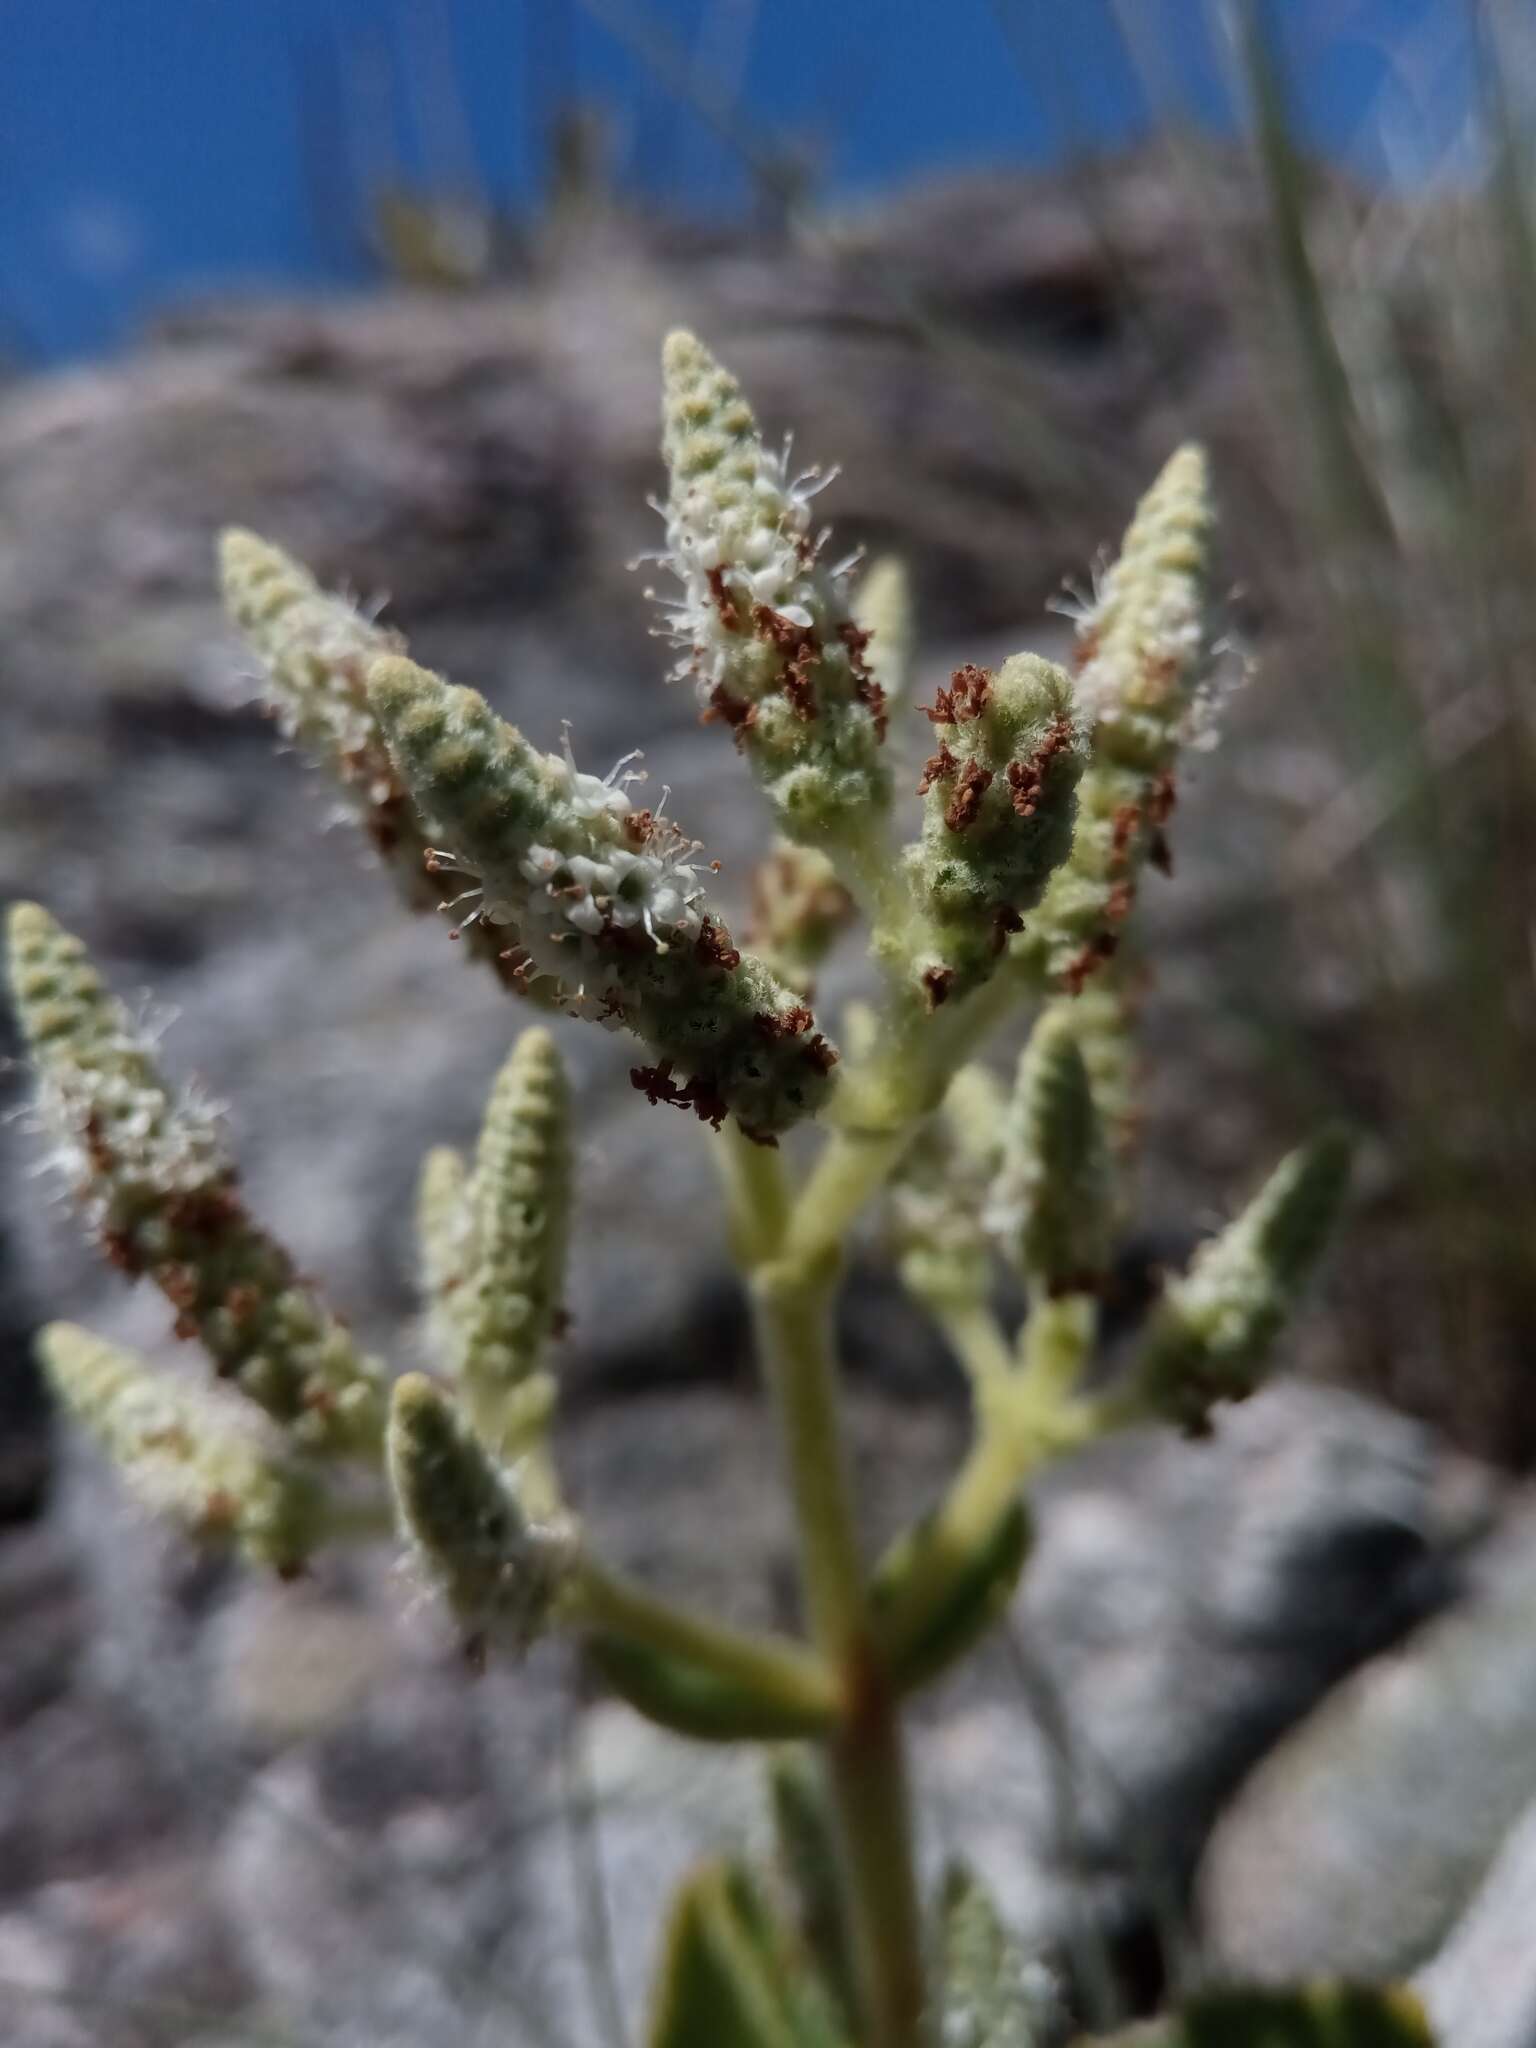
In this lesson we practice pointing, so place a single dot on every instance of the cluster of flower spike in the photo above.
(766, 627)
(605, 895)
(1143, 655)
(160, 1193)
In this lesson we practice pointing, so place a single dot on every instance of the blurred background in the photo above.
(386, 280)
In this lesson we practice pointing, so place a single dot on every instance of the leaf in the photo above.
(726, 1978)
(1317, 2016)
(988, 1996)
(808, 1860)
(694, 1700)
(918, 1647)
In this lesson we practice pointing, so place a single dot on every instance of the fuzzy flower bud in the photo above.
(520, 1201)
(207, 1462)
(937, 1194)
(1101, 1020)
(1212, 1331)
(990, 1996)
(315, 651)
(1143, 653)
(882, 609)
(444, 1241)
(607, 896)
(998, 818)
(1052, 1202)
(768, 636)
(798, 908)
(159, 1191)
(500, 1572)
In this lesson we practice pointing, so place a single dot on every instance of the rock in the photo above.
(1187, 1601)
(1357, 1843)
(1480, 1990)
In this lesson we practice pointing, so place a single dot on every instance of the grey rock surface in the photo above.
(1358, 1841)
(1480, 1990)
(387, 1846)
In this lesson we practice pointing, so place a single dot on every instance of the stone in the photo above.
(1358, 1842)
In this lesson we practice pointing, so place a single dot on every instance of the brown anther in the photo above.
(972, 786)
(823, 1057)
(1005, 921)
(713, 946)
(736, 712)
(700, 1095)
(937, 767)
(178, 1283)
(1118, 907)
(937, 981)
(1127, 822)
(638, 826)
(774, 1024)
(1089, 960)
(1161, 798)
(122, 1252)
(1026, 779)
(242, 1301)
(967, 693)
(725, 605)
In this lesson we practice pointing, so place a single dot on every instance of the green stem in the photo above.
(756, 1198)
(1023, 1417)
(882, 1106)
(974, 1335)
(779, 1670)
(793, 1309)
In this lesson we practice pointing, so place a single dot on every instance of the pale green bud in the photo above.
(499, 1571)
(988, 1996)
(1101, 1020)
(937, 1194)
(882, 608)
(798, 909)
(315, 651)
(208, 1463)
(1211, 1333)
(150, 1170)
(445, 1244)
(1052, 1202)
(520, 1220)
(766, 628)
(1144, 655)
(1000, 801)
(609, 897)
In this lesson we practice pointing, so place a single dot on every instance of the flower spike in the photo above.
(1144, 655)
(315, 651)
(158, 1188)
(207, 1462)
(1001, 798)
(608, 897)
(1211, 1334)
(767, 630)
(499, 1571)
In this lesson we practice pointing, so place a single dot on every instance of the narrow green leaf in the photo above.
(919, 1645)
(694, 1700)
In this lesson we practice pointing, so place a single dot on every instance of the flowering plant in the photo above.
(1045, 798)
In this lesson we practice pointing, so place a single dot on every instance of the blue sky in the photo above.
(152, 148)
